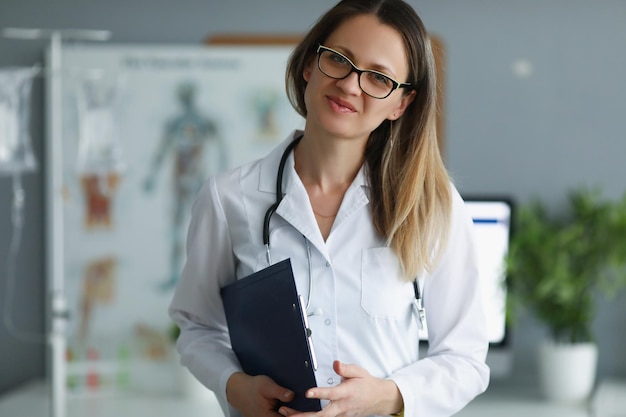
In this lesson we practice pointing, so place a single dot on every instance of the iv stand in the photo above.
(54, 190)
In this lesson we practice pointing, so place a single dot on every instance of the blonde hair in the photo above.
(409, 186)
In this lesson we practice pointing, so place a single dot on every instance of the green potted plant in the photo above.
(558, 263)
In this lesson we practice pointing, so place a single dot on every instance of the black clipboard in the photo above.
(269, 331)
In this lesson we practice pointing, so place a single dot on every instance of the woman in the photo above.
(367, 195)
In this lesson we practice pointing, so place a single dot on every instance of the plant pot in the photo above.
(567, 371)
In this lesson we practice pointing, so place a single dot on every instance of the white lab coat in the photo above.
(364, 311)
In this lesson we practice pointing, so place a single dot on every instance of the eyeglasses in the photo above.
(373, 83)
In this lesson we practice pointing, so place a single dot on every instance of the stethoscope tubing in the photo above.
(279, 197)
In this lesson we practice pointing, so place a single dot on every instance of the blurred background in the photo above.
(535, 104)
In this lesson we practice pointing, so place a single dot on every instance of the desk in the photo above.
(33, 400)
(517, 402)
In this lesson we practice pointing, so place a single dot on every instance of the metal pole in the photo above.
(54, 193)
(56, 256)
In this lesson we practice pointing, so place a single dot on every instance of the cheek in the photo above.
(393, 108)
(307, 98)
(380, 109)
(309, 90)
(312, 90)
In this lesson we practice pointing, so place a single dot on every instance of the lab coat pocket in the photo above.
(384, 294)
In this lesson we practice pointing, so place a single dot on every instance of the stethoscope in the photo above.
(418, 305)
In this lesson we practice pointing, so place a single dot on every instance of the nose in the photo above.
(350, 84)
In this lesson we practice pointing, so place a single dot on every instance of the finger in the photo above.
(346, 370)
(286, 411)
(273, 390)
(329, 393)
(287, 396)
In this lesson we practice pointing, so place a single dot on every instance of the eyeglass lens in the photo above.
(338, 66)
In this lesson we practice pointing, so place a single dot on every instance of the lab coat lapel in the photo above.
(354, 200)
(296, 209)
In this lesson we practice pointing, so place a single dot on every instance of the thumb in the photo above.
(346, 370)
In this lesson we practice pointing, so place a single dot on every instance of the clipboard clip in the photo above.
(307, 328)
(418, 305)
(421, 313)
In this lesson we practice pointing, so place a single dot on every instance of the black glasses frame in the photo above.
(396, 84)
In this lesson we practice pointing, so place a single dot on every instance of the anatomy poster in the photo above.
(143, 128)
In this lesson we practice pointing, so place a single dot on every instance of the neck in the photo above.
(328, 164)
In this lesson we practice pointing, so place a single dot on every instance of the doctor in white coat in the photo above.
(367, 208)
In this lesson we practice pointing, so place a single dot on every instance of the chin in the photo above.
(340, 126)
(340, 133)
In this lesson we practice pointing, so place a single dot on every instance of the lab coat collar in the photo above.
(269, 167)
(295, 210)
(292, 208)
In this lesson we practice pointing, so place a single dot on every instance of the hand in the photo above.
(256, 396)
(358, 395)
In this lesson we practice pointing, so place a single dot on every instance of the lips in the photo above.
(340, 105)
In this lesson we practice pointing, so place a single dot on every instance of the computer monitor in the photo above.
(492, 218)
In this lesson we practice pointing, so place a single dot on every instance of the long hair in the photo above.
(409, 185)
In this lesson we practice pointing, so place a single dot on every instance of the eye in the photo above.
(379, 78)
(338, 59)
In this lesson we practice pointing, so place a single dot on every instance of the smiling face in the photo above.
(340, 108)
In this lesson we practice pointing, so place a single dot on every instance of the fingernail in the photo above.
(287, 394)
(310, 393)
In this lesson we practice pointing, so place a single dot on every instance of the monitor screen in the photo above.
(492, 226)
(492, 223)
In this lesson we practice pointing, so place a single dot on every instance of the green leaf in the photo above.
(558, 261)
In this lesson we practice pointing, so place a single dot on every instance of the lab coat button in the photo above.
(330, 381)
(327, 264)
(327, 322)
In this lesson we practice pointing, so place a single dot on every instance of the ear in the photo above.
(404, 103)
(306, 72)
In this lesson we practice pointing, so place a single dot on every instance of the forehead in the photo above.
(371, 43)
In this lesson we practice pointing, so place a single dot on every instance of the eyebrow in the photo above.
(376, 67)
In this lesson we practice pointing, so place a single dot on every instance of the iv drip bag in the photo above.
(99, 149)
(16, 154)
